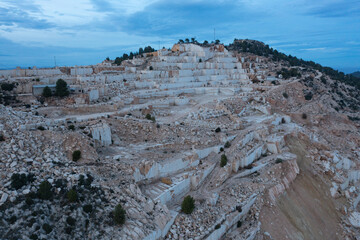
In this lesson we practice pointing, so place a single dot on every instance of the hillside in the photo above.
(356, 74)
(266, 144)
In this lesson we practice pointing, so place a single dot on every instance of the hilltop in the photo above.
(267, 146)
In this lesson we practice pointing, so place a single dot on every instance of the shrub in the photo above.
(76, 155)
(239, 223)
(200, 60)
(7, 86)
(71, 127)
(72, 195)
(44, 191)
(2, 138)
(278, 160)
(119, 214)
(151, 68)
(87, 208)
(308, 96)
(223, 160)
(217, 226)
(218, 130)
(285, 95)
(323, 79)
(41, 128)
(12, 219)
(68, 230)
(221, 149)
(61, 88)
(46, 92)
(188, 205)
(304, 116)
(29, 201)
(20, 180)
(47, 228)
(33, 236)
(239, 208)
(283, 120)
(71, 221)
(227, 144)
(148, 116)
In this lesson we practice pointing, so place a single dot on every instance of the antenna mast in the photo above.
(55, 60)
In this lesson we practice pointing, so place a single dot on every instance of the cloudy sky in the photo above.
(81, 32)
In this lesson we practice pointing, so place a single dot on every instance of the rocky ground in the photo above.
(292, 148)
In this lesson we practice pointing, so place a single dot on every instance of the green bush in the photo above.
(71, 127)
(87, 208)
(304, 116)
(61, 88)
(218, 130)
(151, 68)
(20, 180)
(308, 96)
(227, 144)
(41, 128)
(223, 160)
(71, 221)
(33, 236)
(44, 191)
(239, 223)
(2, 138)
(148, 116)
(217, 226)
(76, 155)
(119, 214)
(7, 86)
(47, 228)
(188, 205)
(278, 160)
(46, 92)
(72, 195)
(285, 95)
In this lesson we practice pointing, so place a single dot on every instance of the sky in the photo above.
(83, 32)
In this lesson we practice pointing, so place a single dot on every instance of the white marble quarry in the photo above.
(355, 219)
(102, 134)
(81, 71)
(230, 220)
(93, 95)
(29, 72)
(254, 154)
(158, 170)
(161, 232)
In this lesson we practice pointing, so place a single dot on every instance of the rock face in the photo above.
(102, 133)
(289, 171)
(196, 120)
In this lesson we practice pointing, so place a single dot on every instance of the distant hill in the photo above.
(356, 74)
(261, 49)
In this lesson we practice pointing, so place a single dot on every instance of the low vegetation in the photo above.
(62, 89)
(46, 92)
(119, 215)
(7, 86)
(188, 205)
(223, 160)
(76, 155)
(72, 195)
(45, 191)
